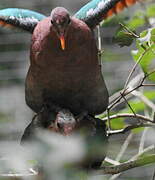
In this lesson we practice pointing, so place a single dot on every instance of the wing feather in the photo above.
(20, 18)
(97, 10)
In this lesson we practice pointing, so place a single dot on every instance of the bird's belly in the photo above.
(71, 88)
(73, 82)
(63, 83)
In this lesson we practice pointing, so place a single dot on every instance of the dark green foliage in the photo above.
(123, 38)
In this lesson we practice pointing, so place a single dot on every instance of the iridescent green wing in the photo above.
(20, 18)
(97, 10)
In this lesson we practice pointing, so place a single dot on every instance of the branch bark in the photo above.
(124, 115)
(129, 128)
(148, 159)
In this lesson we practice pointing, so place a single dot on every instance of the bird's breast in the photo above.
(61, 70)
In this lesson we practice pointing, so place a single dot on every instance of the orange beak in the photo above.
(62, 41)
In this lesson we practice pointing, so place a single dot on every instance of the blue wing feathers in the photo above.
(20, 18)
(21, 13)
(82, 13)
(97, 10)
(92, 14)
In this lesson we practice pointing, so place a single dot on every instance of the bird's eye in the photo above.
(69, 21)
(51, 22)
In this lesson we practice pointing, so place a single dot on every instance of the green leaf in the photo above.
(146, 42)
(145, 37)
(150, 94)
(123, 38)
(137, 21)
(152, 77)
(136, 105)
(117, 123)
(153, 35)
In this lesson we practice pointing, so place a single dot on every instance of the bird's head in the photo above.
(60, 20)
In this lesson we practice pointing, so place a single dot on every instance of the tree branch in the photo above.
(142, 161)
(144, 99)
(130, 127)
(124, 115)
(129, 31)
(135, 66)
(128, 90)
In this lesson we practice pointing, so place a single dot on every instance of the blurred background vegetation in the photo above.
(14, 61)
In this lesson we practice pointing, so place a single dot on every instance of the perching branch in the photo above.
(132, 162)
(124, 115)
(131, 127)
(115, 169)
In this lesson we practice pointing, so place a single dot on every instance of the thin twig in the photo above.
(129, 31)
(125, 115)
(124, 147)
(134, 67)
(121, 153)
(111, 161)
(142, 140)
(144, 99)
(150, 149)
(108, 120)
(128, 91)
(148, 74)
(128, 104)
(148, 84)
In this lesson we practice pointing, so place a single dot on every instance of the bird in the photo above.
(65, 73)
(64, 68)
